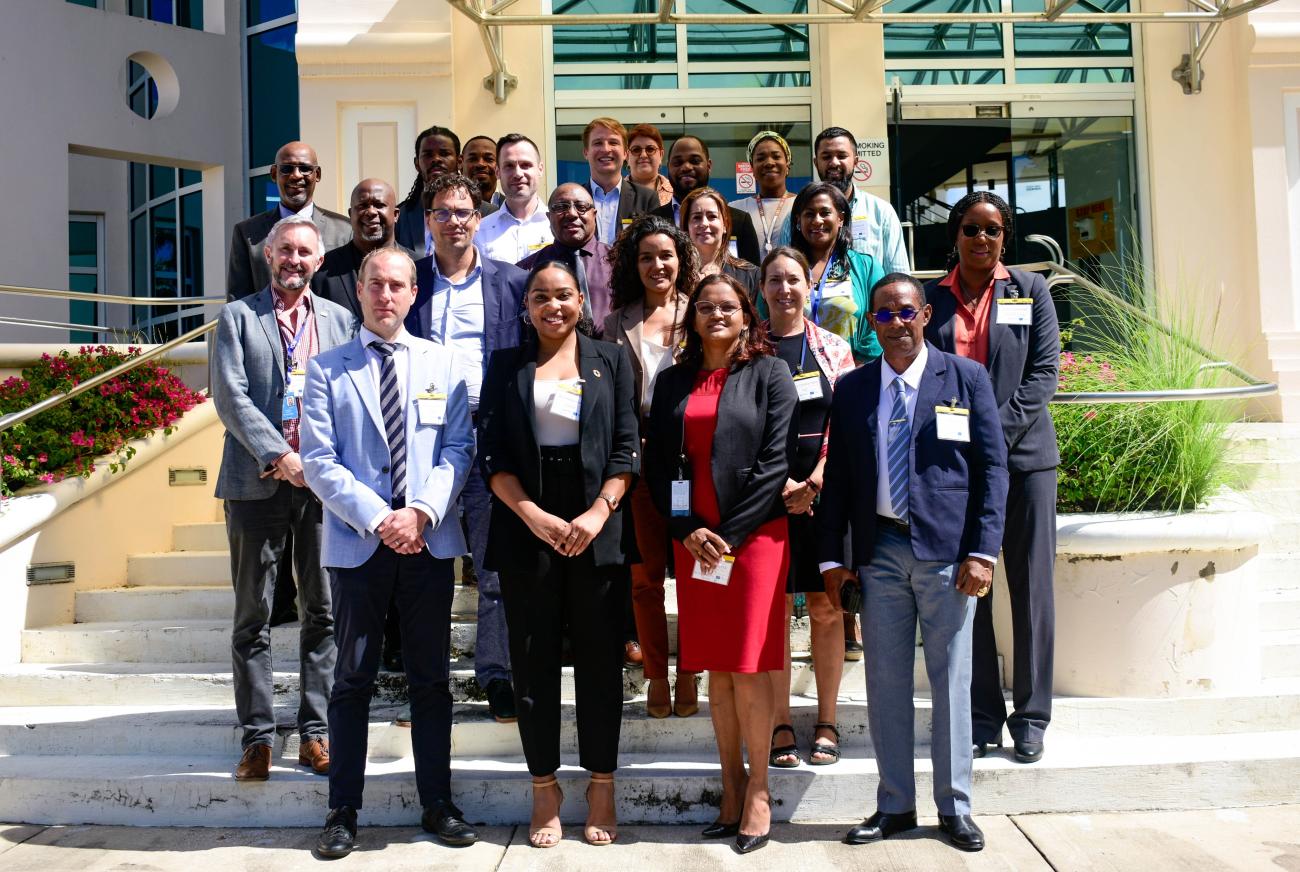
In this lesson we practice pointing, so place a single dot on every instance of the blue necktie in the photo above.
(390, 403)
(898, 451)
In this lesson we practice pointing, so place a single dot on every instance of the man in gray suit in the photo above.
(296, 173)
(259, 372)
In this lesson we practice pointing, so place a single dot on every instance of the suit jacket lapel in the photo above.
(946, 313)
(999, 334)
(526, 379)
(264, 306)
(871, 401)
(625, 204)
(928, 394)
(589, 370)
(492, 302)
(359, 370)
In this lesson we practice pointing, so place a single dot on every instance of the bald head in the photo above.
(296, 173)
(373, 211)
(568, 227)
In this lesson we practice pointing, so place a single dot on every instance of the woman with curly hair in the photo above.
(707, 221)
(654, 266)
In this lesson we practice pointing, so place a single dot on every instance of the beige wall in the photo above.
(855, 101)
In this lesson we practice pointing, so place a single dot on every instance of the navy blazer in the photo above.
(610, 445)
(1024, 360)
(957, 491)
(503, 302)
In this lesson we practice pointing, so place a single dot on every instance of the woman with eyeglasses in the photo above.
(1005, 319)
(654, 267)
(559, 446)
(707, 221)
(769, 157)
(842, 278)
(816, 360)
(645, 155)
(716, 461)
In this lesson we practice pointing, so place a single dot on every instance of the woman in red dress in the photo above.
(716, 460)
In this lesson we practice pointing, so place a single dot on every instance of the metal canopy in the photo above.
(1203, 19)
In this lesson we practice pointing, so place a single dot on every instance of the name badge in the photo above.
(837, 289)
(1016, 310)
(721, 573)
(953, 424)
(289, 409)
(432, 408)
(537, 246)
(566, 402)
(681, 498)
(297, 382)
(808, 385)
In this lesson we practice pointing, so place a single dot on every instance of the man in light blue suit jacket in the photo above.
(387, 444)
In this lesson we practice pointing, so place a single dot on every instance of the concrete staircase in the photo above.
(126, 717)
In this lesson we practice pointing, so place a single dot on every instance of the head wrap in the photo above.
(767, 134)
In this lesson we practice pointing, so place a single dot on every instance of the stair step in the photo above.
(1278, 572)
(174, 568)
(185, 602)
(1077, 775)
(1279, 654)
(204, 536)
(1263, 475)
(1264, 441)
(1279, 610)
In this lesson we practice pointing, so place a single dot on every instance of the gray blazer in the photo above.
(248, 387)
(247, 271)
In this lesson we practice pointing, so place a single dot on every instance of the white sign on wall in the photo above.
(872, 168)
(745, 178)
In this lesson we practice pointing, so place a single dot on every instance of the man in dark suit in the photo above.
(618, 200)
(689, 167)
(372, 211)
(437, 152)
(917, 467)
(296, 173)
(573, 222)
(472, 304)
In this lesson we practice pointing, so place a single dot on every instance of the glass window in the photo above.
(141, 91)
(83, 244)
(84, 270)
(613, 43)
(942, 40)
(947, 77)
(1075, 76)
(272, 93)
(162, 181)
(263, 194)
(630, 82)
(1061, 38)
(744, 42)
(262, 11)
(190, 177)
(184, 13)
(166, 248)
(82, 311)
(751, 80)
(89, 4)
(192, 255)
(139, 192)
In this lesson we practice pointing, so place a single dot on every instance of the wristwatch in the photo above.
(610, 499)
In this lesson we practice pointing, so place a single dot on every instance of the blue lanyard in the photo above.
(290, 348)
(817, 295)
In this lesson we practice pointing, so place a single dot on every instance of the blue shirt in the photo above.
(456, 321)
(606, 211)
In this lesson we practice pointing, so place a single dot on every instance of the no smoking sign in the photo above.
(862, 171)
(745, 178)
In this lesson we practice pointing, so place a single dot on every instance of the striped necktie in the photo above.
(898, 451)
(390, 403)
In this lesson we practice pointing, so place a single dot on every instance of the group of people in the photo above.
(632, 375)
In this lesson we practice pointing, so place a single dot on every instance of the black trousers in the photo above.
(1029, 555)
(554, 593)
(423, 588)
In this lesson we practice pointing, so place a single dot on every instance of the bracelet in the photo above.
(813, 485)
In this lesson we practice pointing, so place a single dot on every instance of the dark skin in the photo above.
(296, 188)
(688, 167)
(771, 168)
(373, 212)
(835, 159)
(978, 256)
(569, 227)
(902, 342)
(436, 157)
(479, 161)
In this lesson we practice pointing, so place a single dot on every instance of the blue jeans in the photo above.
(492, 644)
(897, 590)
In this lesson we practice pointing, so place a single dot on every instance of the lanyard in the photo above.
(291, 348)
(776, 219)
(821, 284)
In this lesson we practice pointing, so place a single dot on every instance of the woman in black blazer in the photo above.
(558, 443)
(717, 454)
(1005, 319)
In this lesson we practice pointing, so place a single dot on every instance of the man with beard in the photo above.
(296, 173)
(373, 212)
(437, 153)
(263, 344)
(688, 168)
(573, 222)
(478, 160)
(875, 228)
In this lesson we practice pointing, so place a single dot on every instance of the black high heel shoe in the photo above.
(719, 830)
(747, 844)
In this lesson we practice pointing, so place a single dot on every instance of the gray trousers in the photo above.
(897, 591)
(491, 641)
(257, 530)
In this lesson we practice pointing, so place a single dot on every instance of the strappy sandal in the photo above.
(593, 829)
(831, 749)
(546, 837)
(791, 750)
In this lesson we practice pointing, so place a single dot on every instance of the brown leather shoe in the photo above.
(255, 765)
(316, 754)
(632, 655)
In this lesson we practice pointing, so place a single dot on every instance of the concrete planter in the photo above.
(1156, 604)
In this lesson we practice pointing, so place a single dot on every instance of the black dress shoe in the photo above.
(447, 822)
(881, 825)
(962, 831)
(501, 701)
(1028, 752)
(340, 834)
(748, 844)
(979, 749)
(719, 830)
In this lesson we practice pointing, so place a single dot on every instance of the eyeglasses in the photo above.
(639, 150)
(442, 216)
(707, 309)
(559, 207)
(906, 314)
(288, 169)
(970, 231)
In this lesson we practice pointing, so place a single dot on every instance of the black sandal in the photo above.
(832, 750)
(790, 750)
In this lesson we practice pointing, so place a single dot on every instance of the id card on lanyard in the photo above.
(820, 291)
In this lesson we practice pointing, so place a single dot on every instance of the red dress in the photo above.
(740, 626)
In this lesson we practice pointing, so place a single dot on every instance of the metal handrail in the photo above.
(92, 297)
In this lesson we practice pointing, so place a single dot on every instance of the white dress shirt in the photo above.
(308, 211)
(456, 321)
(502, 236)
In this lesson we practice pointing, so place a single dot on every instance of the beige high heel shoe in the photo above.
(594, 829)
(546, 837)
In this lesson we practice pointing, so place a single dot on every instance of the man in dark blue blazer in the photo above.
(472, 304)
(917, 467)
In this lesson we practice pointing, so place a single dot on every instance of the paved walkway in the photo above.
(1231, 839)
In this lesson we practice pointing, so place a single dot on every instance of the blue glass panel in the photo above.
(746, 42)
(263, 194)
(189, 13)
(83, 244)
(139, 192)
(751, 80)
(942, 40)
(1064, 38)
(946, 77)
(82, 311)
(162, 180)
(262, 11)
(272, 93)
(192, 245)
(613, 43)
(1075, 76)
(630, 82)
(89, 4)
(190, 177)
(162, 11)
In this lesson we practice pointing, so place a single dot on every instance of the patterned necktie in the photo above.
(390, 403)
(898, 451)
(580, 271)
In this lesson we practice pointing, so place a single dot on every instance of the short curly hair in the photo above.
(625, 280)
(450, 182)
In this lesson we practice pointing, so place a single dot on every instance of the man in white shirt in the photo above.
(521, 227)
(875, 228)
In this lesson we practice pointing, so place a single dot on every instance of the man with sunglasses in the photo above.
(472, 304)
(916, 467)
(296, 173)
(573, 223)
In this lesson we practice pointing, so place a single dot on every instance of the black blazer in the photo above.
(633, 200)
(750, 445)
(246, 269)
(1023, 364)
(507, 442)
(336, 280)
(503, 302)
(742, 228)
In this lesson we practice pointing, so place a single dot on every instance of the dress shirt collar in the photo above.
(911, 377)
(277, 301)
(367, 336)
(308, 211)
(536, 209)
(597, 190)
(950, 280)
(475, 273)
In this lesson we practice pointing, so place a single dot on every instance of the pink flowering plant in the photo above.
(68, 439)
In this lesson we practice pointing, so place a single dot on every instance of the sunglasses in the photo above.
(288, 169)
(906, 314)
(559, 207)
(970, 231)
